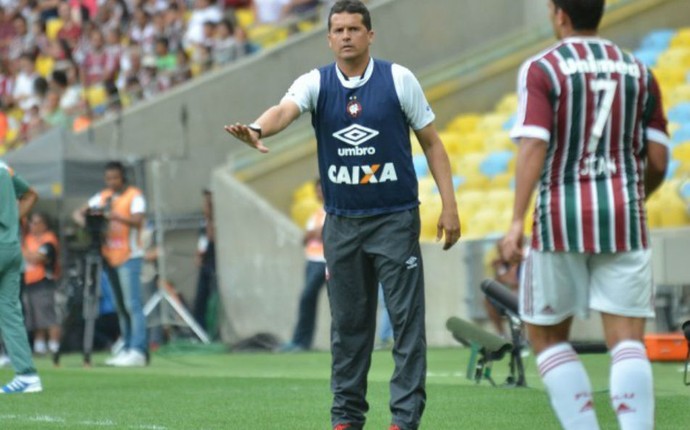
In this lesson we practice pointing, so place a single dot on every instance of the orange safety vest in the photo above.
(34, 272)
(116, 248)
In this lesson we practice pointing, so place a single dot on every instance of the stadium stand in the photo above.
(483, 156)
(122, 68)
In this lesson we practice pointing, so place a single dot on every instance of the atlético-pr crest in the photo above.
(354, 109)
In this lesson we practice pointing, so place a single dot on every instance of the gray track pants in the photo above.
(360, 252)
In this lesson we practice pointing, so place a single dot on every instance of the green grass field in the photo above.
(291, 391)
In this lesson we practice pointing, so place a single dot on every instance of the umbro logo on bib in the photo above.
(355, 134)
(411, 263)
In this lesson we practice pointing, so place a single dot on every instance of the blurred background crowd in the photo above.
(70, 62)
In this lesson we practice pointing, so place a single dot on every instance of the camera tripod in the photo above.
(88, 277)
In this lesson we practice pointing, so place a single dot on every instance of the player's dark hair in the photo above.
(117, 165)
(351, 6)
(584, 14)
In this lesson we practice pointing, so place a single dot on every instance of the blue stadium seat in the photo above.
(421, 168)
(680, 113)
(457, 181)
(673, 165)
(508, 125)
(684, 190)
(659, 39)
(648, 56)
(495, 163)
(682, 134)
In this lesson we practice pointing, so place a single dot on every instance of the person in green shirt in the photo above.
(16, 200)
(166, 62)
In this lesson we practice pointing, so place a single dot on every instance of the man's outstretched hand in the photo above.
(246, 135)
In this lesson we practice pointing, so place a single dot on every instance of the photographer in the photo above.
(39, 247)
(123, 207)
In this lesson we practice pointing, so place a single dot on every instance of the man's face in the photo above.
(113, 180)
(348, 38)
(37, 225)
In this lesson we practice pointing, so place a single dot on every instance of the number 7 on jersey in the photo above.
(608, 87)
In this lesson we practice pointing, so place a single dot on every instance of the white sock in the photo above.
(568, 386)
(53, 346)
(632, 390)
(40, 346)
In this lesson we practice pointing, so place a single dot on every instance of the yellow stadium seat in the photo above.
(681, 39)
(306, 25)
(267, 35)
(96, 95)
(681, 152)
(416, 147)
(668, 76)
(499, 141)
(493, 121)
(674, 212)
(485, 222)
(500, 199)
(301, 211)
(426, 188)
(654, 210)
(452, 141)
(472, 143)
(502, 181)
(679, 94)
(464, 123)
(428, 214)
(467, 164)
(674, 57)
(44, 65)
(304, 191)
(508, 104)
(469, 202)
(245, 17)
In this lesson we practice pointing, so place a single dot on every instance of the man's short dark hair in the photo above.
(117, 165)
(351, 6)
(584, 14)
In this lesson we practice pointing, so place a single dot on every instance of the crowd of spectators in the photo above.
(67, 62)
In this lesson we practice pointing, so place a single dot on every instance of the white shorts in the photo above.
(558, 285)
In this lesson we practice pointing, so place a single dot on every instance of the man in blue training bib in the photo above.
(362, 109)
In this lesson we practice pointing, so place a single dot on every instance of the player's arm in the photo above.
(300, 98)
(27, 202)
(134, 220)
(439, 165)
(657, 140)
(79, 215)
(533, 132)
(421, 119)
(657, 163)
(137, 210)
(528, 167)
(274, 120)
(26, 196)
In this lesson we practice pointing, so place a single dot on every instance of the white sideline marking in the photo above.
(46, 419)
(100, 423)
(86, 423)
